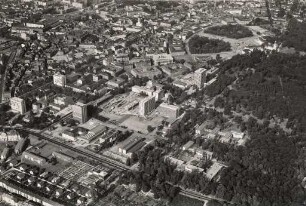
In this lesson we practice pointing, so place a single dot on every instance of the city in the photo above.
(153, 103)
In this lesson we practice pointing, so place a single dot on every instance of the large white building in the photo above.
(170, 111)
(146, 106)
(10, 136)
(79, 112)
(200, 77)
(18, 105)
(162, 59)
(59, 80)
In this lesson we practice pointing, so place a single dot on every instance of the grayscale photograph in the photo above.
(152, 102)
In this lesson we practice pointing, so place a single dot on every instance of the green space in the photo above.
(295, 36)
(270, 168)
(181, 200)
(230, 31)
(202, 45)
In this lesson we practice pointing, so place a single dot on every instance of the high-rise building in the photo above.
(79, 112)
(146, 105)
(200, 77)
(18, 105)
(59, 80)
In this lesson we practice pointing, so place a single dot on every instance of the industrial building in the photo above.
(93, 133)
(132, 145)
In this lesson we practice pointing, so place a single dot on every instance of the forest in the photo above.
(202, 45)
(267, 171)
(269, 86)
(230, 31)
(295, 36)
(270, 168)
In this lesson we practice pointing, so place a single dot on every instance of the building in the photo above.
(36, 107)
(59, 80)
(187, 145)
(238, 135)
(214, 170)
(162, 59)
(131, 145)
(18, 105)
(79, 112)
(33, 158)
(200, 77)
(93, 133)
(158, 93)
(20, 146)
(10, 136)
(150, 89)
(169, 111)
(5, 153)
(72, 134)
(9, 186)
(146, 106)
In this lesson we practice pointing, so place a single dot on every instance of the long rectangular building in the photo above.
(27, 194)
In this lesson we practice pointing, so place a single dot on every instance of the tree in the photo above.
(128, 162)
(213, 203)
(150, 128)
(227, 109)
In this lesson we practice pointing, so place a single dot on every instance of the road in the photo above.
(199, 196)
(97, 157)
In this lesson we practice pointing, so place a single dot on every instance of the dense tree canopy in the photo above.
(295, 36)
(270, 85)
(230, 31)
(202, 45)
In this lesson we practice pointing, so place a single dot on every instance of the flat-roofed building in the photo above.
(33, 158)
(79, 112)
(146, 106)
(200, 77)
(170, 111)
(59, 80)
(187, 145)
(214, 170)
(10, 136)
(161, 59)
(18, 105)
(20, 146)
(128, 144)
(27, 193)
(99, 130)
